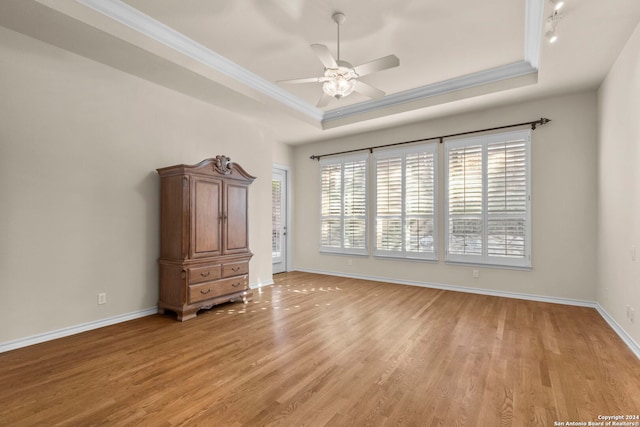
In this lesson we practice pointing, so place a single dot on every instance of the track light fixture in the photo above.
(550, 27)
(557, 4)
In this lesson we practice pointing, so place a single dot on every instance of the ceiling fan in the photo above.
(340, 78)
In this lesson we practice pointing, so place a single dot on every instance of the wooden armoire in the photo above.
(204, 236)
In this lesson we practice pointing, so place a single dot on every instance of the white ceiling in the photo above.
(454, 56)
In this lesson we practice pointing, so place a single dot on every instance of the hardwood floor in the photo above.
(320, 350)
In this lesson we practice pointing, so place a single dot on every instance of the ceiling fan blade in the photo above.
(305, 80)
(324, 55)
(377, 65)
(368, 90)
(324, 100)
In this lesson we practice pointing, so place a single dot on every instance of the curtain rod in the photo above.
(533, 124)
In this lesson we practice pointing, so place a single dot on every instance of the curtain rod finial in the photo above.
(542, 121)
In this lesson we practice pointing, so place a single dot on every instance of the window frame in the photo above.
(484, 258)
(430, 148)
(342, 160)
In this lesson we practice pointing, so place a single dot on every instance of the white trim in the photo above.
(484, 77)
(156, 30)
(402, 153)
(76, 329)
(624, 336)
(533, 18)
(485, 216)
(72, 330)
(96, 324)
(341, 160)
(261, 284)
(457, 288)
(289, 202)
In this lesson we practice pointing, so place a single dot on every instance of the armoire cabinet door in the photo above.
(206, 217)
(236, 223)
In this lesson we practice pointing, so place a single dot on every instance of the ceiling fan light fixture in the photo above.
(340, 78)
(340, 82)
(551, 36)
(557, 4)
(339, 88)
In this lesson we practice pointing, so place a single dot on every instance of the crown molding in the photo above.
(161, 33)
(534, 12)
(156, 30)
(533, 20)
(480, 78)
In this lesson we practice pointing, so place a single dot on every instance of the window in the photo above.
(343, 192)
(405, 212)
(487, 207)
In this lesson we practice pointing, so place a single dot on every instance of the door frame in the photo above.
(288, 210)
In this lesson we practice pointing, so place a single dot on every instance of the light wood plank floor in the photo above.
(320, 350)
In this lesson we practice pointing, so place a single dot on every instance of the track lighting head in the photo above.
(550, 27)
(557, 4)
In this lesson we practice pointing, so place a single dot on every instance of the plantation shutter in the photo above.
(276, 215)
(488, 207)
(405, 202)
(331, 228)
(355, 204)
(465, 202)
(507, 199)
(343, 192)
(389, 204)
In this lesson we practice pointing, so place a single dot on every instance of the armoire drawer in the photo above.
(204, 274)
(204, 291)
(235, 268)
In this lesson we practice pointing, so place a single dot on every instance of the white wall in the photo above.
(563, 203)
(282, 154)
(619, 188)
(80, 142)
(79, 195)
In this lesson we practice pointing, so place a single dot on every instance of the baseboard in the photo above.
(624, 336)
(76, 329)
(261, 284)
(456, 288)
(48, 336)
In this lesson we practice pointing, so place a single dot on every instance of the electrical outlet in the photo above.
(632, 315)
(102, 298)
(628, 311)
(633, 253)
(476, 274)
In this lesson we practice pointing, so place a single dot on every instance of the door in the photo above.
(234, 218)
(279, 220)
(206, 218)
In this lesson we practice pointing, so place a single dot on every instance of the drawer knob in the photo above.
(235, 285)
(235, 268)
(203, 292)
(205, 274)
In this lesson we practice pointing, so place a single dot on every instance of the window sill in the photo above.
(494, 266)
(400, 258)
